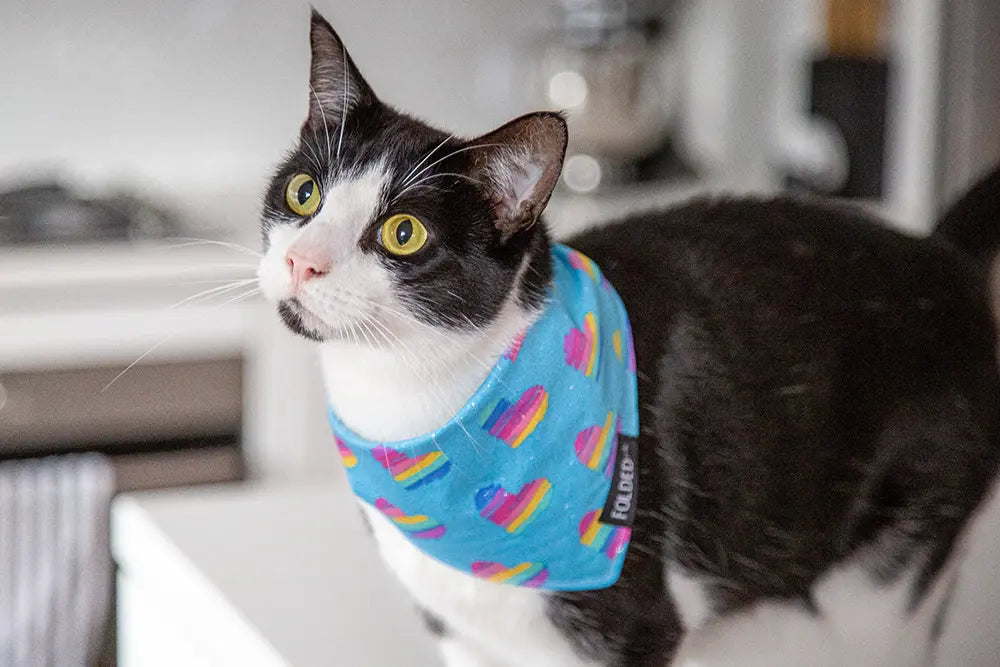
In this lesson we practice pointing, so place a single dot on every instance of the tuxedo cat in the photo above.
(818, 396)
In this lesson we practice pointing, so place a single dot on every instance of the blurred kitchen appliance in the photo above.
(49, 212)
(609, 64)
(848, 92)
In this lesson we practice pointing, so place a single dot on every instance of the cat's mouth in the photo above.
(302, 321)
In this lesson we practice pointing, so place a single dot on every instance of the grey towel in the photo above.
(55, 563)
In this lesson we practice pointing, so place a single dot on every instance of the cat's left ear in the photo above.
(335, 85)
(518, 165)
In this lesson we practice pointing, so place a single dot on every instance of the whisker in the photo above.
(326, 126)
(214, 291)
(347, 86)
(204, 282)
(453, 153)
(406, 179)
(313, 160)
(434, 386)
(223, 265)
(427, 178)
(163, 341)
(240, 297)
(133, 364)
(188, 242)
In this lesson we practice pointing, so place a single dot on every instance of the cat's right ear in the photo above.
(335, 84)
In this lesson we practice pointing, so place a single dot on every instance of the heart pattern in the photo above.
(595, 445)
(608, 539)
(581, 346)
(409, 471)
(415, 525)
(515, 346)
(580, 261)
(346, 455)
(510, 511)
(529, 575)
(514, 423)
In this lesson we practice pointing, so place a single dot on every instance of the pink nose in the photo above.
(304, 267)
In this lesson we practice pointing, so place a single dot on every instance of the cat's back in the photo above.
(812, 374)
(786, 278)
(805, 253)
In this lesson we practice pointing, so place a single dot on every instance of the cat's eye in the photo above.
(302, 195)
(403, 234)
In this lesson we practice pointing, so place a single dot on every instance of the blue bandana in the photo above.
(530, 501)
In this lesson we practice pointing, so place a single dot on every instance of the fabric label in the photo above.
(619, 510)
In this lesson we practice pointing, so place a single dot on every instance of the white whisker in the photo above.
(165, 340)
(240, 297)
(214, 291)
(453, 153)
(133, 364)
(347, 86)
(326, 130)
(406, 179)
(427, 178)
(187, 242)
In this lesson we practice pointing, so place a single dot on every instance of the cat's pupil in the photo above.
(305, 192)
(404, 231)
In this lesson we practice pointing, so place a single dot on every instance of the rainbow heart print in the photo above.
(514, 423)
(580, 261)
(513, 511)
(346, 455)
(529, 575)
(515, 347)
(409, 471)
(414, 525)
(581, 346)
(608, 539)
(595, 445)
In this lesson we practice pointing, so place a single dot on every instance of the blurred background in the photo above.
(135, 142)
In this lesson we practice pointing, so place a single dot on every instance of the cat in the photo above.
(819, 395)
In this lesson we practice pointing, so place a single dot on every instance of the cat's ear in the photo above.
(335, 84)
(518, 165)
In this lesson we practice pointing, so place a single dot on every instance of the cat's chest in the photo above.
(507, 625)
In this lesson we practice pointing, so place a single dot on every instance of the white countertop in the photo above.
(288, 576)
(267, 576)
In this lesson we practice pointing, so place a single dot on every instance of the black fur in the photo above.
(464, 275)
(973, 222)
(812, 386)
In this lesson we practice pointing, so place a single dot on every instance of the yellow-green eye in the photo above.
(403, 234)
(302, 195)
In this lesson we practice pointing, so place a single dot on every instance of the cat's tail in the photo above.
(973, 222)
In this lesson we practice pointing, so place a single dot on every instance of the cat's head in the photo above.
(377, 220)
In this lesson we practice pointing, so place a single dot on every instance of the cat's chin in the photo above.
(297, 318)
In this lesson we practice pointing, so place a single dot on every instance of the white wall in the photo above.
(201, 97)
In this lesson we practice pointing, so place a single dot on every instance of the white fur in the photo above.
(356, 284)
(413, 380)
(859, 623)
(403, 385)
(690, 597)
(515, 177)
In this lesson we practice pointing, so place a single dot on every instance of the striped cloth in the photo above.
(55, 563)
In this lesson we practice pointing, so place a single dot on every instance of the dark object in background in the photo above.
(52, 213)
(849, 88)
(851, 92)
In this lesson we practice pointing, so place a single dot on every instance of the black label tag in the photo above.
(623, 498)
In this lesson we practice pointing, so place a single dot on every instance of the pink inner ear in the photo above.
(523, 182)
(518, 183)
